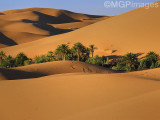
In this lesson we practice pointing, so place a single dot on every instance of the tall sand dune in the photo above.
(136, 31)
(40, 22)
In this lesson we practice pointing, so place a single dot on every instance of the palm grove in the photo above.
(79, 52)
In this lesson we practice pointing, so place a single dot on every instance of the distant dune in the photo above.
(135, 31)
(39, 23)
(51, 68)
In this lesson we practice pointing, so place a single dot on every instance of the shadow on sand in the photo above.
(6, 41)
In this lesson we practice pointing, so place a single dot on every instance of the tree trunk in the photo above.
(64, 57)
(78, 54)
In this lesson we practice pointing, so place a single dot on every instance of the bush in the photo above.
(130, 61)
(8, 62)
(119, 67)
(150, 61)
(27, 62)
(51, 56)
(41, 59)
(19, 60)
(95, 61)
(152, 57)
(154, 65)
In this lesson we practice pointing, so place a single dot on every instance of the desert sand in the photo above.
(70, 90)
(81, 97)
(50, 68)
(127, 32)
(26, 25)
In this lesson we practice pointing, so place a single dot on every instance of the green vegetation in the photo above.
(78, 49)
(150, 61)
(79, 52)
(113, 51)
(62, 51)
(20, 58)
(96, 60)
(92, 48)
(130, 62)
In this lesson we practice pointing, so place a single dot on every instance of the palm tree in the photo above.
(20, 58)
(130, 59)
(62, 50)
(50, 55)
(2, 55)
(92, 49)
(78, 48)
(152, 57)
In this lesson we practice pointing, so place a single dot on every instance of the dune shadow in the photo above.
(6, 41)
(12, 74)
(114, 57)
(52, 30)
(44, 21)
(95, 16)
(62, 18)
(44, 26)
(2, 13)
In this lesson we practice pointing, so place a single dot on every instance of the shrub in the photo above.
(154, 65)
(113, 51)
(152, 57)
(20, 58)
(27, 62)
(41, 59)
(8, 62)
(95, 61)
(119, 67)
(130, 60)
(142, 64)
(51, 56)
(150, 61)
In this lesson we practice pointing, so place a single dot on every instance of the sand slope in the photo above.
(147, 74)
(12, 74)
(135, 31)
(50, 68)
(39, 23)
(80, 97)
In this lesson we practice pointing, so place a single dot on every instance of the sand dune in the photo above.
(135, 31)
(40, 22)
(80, 97)
(70, 90)
(51, 68)
(12, 74)
(147, 74)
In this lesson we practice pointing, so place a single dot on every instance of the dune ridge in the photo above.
(40, 23)
(71, 90)
(50, 68)
(137, 32)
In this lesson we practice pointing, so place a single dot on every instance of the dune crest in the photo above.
(136, 31)
(40, 23)
(50, 68)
